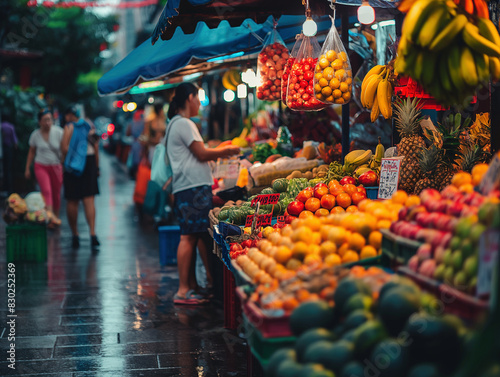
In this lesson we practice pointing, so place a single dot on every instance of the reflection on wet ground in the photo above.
(110, 313)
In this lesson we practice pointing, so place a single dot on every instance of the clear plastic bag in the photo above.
(270, 64)
(333, 74)
(286, 70)
(300, 93)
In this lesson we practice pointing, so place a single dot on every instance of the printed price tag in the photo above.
(491, 179)
(266, 199)
(389, 177)
(488, 254)
(262, 220)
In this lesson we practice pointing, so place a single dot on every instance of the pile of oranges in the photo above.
(333, 78)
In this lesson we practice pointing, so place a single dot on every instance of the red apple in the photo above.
(427, 268)
(449, 192)
(424, 252)
(455, 208)
(413, 263)
(413, 212)
(428, 195)
(403, 212)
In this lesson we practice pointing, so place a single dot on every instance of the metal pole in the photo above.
(345, 108)
(495, 116)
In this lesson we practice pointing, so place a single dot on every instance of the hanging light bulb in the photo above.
(309, 27)
(366, 14)
(241, 91)
(248, 76)
(201, 95)
(229, 96)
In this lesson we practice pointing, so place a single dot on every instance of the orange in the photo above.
(343, 56)
(368, 252)
(350, 189)
(399, 196)
(349, 79)
(339, 101)
(312, 223)
(344, 200)
(317, 88)
(286, 240)
(312, 259)
(363, 204)
(324, 230)
(300, 250)
(326, 91)
(316, 237)
(290, 304)
(334, 83)
(413, 200)
(347, 95)
(274, 238)
(328, 201)
(323, 63)
(313, 204)
(337, 209)
(328, 73)
(467, 188)
(340, 74)
(375, 239)
(351, 209)
(337, 235)
(461, 178)
(350, 256)
(333, 182)
(344, 87)
(331, 55)
(479, 169)
(382, 214)
(318, 76)
(343, 249)
(384, 224)
(337, 64)
(283, 254)
(356, 241)
(323, 82)
(327, 248)
(293, 264)
(333, 260)
(314, 248)
(286, 231)
(302, 294)
(337, 93)
(336, 190)
(322, 212)
(305, 214)
(302, 233)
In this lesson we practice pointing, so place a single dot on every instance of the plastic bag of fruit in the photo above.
(286, 69)
(300, 94)
(270, 64)
(333, 74)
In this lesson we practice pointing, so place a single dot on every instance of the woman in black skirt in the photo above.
(80, 185)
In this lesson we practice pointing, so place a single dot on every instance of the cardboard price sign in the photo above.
(389, 177)
(266, 199)
(488, 255)
(262, 220)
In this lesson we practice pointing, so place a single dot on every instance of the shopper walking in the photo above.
(79, 146)
(45, 151)
(9, 144)
(192, 181)
(154, 129)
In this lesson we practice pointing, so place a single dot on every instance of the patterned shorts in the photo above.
(192, 207)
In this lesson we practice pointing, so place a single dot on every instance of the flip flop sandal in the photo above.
(191, 299)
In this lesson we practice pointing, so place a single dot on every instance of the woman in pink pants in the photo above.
(45, 150)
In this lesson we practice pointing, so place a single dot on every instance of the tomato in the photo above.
(235, 247)
(304, 195)
(313, 204)
(320, 184)
(295, 208)
(308, 75)
(328, 201)
(320, 191)
(289, 219)
(357, 197)
(309, 188)
(347, 180)
(246, 243)
(362, 189)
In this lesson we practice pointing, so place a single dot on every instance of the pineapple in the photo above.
(431, 160)
(472, 155)
(407, 119)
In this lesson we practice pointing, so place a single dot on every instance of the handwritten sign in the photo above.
(491, 179)
(266, 199)
(389, 177)
(227, 168)
(488, 255)
(262, 220)
(280, 219)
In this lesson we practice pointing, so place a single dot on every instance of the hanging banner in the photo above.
(91, 4)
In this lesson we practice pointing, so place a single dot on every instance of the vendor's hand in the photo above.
(27, 174)
(231, 150)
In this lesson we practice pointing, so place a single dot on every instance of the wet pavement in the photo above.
(110, 313)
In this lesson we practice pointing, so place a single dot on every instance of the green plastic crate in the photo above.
(26, 243)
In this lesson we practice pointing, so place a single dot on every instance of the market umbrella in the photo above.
(185, 14)
(152, 62)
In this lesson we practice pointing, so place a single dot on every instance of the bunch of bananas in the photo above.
(231, 79)
(355, 159)
(376, 92)
(373, 163)
(449, 52)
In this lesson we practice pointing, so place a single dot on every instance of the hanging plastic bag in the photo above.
(270, 64)
(333, 74)
(300, 95)
(286, 70)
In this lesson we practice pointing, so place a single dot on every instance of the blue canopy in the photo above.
(151, 62)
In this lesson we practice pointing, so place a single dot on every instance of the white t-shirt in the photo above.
(47, 153)
(188, 171)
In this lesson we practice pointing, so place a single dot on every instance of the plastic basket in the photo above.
(170, 236)
(26, 243)
(371, 192)
(398, 249)
(263, 348)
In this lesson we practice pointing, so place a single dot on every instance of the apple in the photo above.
(421, 219)
(412, 233)
(455, 208)
(429, 195)
(439, 254)
(413, 263)
(445, 240)
(443, 222)
(449, 192)
(427, 268)
(424, 252)
(413, 212)
(403, 212)
(436, 206)
(439, 238)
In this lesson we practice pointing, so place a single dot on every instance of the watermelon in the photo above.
(280, 185)
(267, 191)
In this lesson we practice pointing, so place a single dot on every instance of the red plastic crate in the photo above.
(232, 307)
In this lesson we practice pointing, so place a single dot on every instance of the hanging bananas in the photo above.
(376, 92)
(448, 51)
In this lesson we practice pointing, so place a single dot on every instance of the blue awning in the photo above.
(151, 62)
(185, 14)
